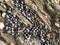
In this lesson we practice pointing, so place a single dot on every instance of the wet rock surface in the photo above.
(30, 22)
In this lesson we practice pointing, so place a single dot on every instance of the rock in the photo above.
(58, 25)
(2, 25)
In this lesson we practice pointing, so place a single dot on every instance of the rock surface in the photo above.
(29, 22)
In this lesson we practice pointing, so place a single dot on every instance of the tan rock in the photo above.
(1, 25)
(56, 24)
(3, 15)
(48, 36)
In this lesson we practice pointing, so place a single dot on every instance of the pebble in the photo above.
(3, 15)
(2, 25)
